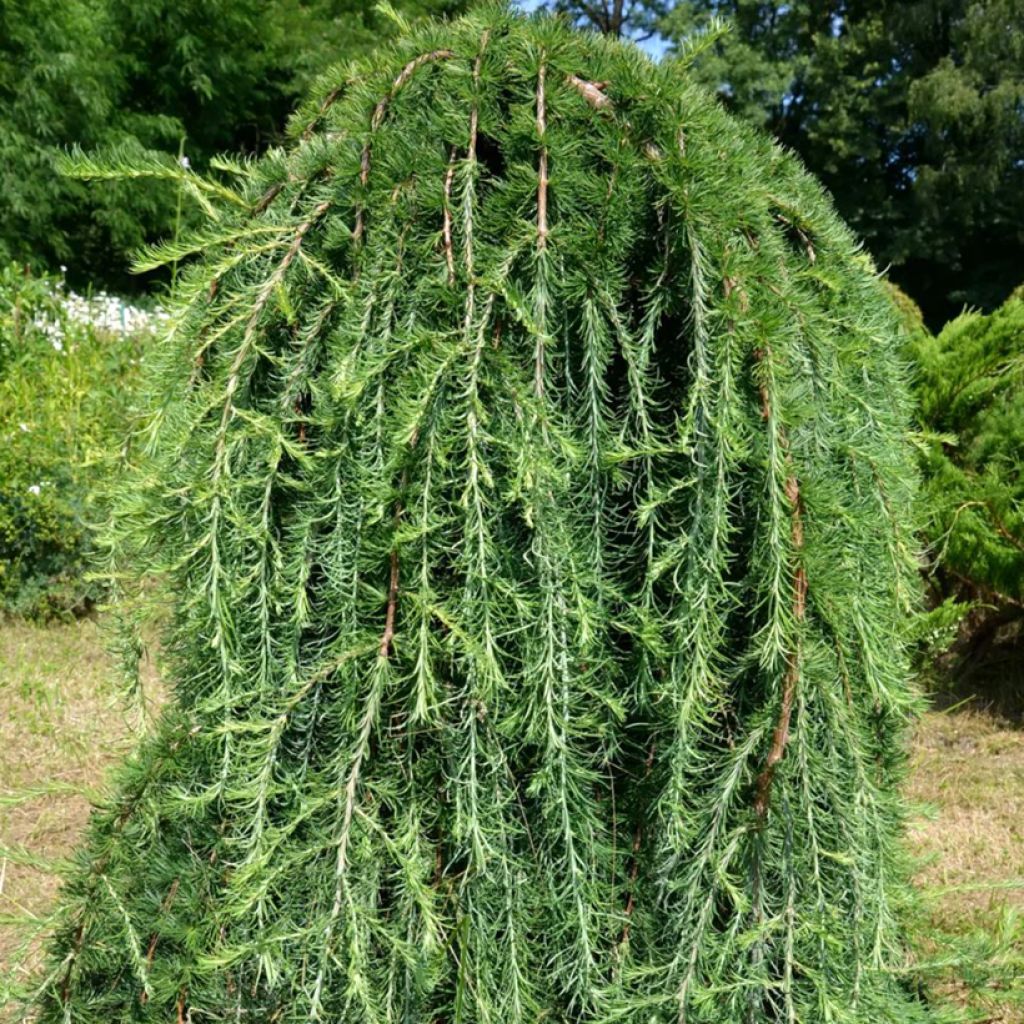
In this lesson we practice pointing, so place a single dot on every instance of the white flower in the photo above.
(184, 161)
(63, 269)
(58, 345)
(24, 427)
(35, 489)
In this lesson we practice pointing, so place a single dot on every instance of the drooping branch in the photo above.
(791, 679)
(449, 253)
(389, 619)
(542, 169)
(542, 231)
(377, 119)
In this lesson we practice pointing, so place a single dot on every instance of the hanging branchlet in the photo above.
(791, 678)
(377, 119)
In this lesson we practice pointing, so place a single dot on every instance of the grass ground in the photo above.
(968, 769)
(61, 724)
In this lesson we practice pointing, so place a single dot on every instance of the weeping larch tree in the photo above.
(525, 467)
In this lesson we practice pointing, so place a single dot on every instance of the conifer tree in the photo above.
(526, 471)
(971, 402)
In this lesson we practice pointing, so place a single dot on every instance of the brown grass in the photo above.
(61, 725)
(969, 767)
(61, 722)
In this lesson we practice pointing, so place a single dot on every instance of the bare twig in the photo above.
(542, 171)
(449, 253)
(389, 619)
(592, 92)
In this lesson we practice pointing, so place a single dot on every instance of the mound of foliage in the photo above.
(970, 386)
(527, 470)
(66, 369)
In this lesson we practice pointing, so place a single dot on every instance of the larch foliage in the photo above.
(526, 469)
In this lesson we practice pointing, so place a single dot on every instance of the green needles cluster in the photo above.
(527, 469)
(972, 405)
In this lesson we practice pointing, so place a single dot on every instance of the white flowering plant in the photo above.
(67, 364)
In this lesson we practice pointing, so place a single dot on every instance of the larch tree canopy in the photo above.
(526, 471)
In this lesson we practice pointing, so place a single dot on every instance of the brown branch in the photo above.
(155, 937)
(780, 735)
(328, 101)
(449, 252)
(592, 92)
(65, 988)
(389, 619)
(634, 870)
(266, 199)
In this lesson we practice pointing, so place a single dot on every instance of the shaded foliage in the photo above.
(140, 75)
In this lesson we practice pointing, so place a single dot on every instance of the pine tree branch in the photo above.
(780, 735)
(377, 119)
(155, 937)
(592, 92)
(446, 231)
(634, 870)
(389, 622)
(542, 169)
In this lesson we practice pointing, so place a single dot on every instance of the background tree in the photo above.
(912, 114)
(140, 76)
(638, 19)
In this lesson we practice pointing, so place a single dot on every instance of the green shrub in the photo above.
(529, 475)
(66, 365)
(971, 398)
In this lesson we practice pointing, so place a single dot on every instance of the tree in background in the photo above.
(140, 75)
(911, 113)
(638, 19)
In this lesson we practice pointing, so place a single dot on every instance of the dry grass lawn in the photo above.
(969, 767)
(61, 724)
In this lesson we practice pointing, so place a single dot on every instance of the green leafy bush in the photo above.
(529, 476)
(66, 367)
(970, 386)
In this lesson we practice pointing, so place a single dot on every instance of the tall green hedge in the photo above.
(527, 468)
